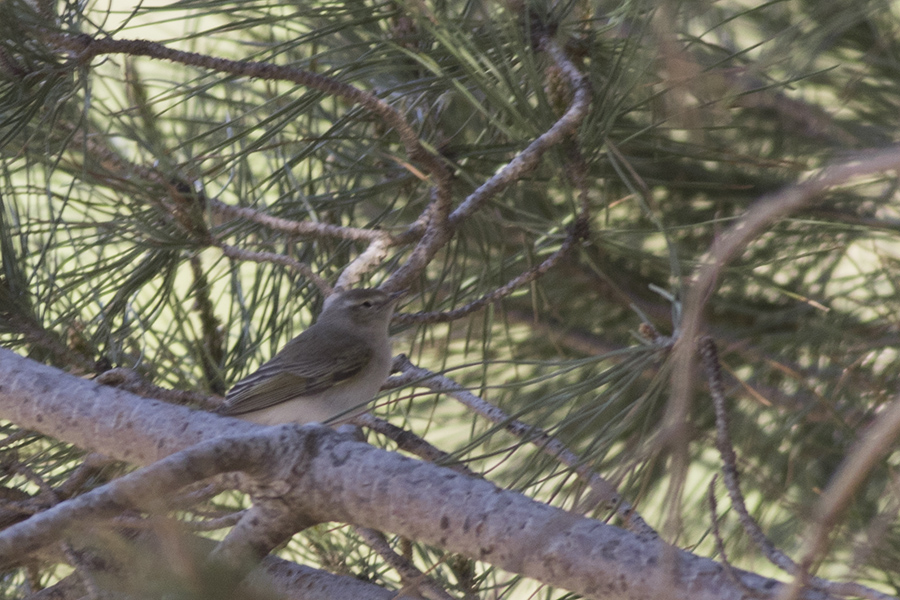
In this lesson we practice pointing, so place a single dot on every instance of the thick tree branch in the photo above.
(274, 578)
(328, 477)
(148, 489)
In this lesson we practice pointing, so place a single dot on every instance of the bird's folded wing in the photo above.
(277, 382)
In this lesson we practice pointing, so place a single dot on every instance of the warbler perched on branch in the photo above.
(328, 373)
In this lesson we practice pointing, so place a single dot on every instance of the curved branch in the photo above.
(145, 489)
(879, 439)
(514, 170)
(767, 211)
(87, 48)
(528, 158)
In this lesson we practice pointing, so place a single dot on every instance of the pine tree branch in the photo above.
(325, 476)
(302, 228)
(528, 159)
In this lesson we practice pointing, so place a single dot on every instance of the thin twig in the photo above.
(304, 228)
(278, 259)
(720, 543)
(441, 224)
(410, 442)
(413, 579)
(436, 231)
(603, 491)
(576, 233)
(87, 48)
(212, 355)
(710, 359)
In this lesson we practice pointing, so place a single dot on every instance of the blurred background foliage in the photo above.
(699, 108)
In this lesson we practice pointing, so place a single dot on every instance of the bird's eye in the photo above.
(366, 304)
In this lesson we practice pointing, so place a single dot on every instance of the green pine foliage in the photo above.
(111, 243)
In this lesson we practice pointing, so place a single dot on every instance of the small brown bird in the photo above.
(328, 373)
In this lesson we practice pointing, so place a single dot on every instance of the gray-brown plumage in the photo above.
(329, 372)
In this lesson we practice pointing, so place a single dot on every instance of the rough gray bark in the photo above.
(325, 476)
